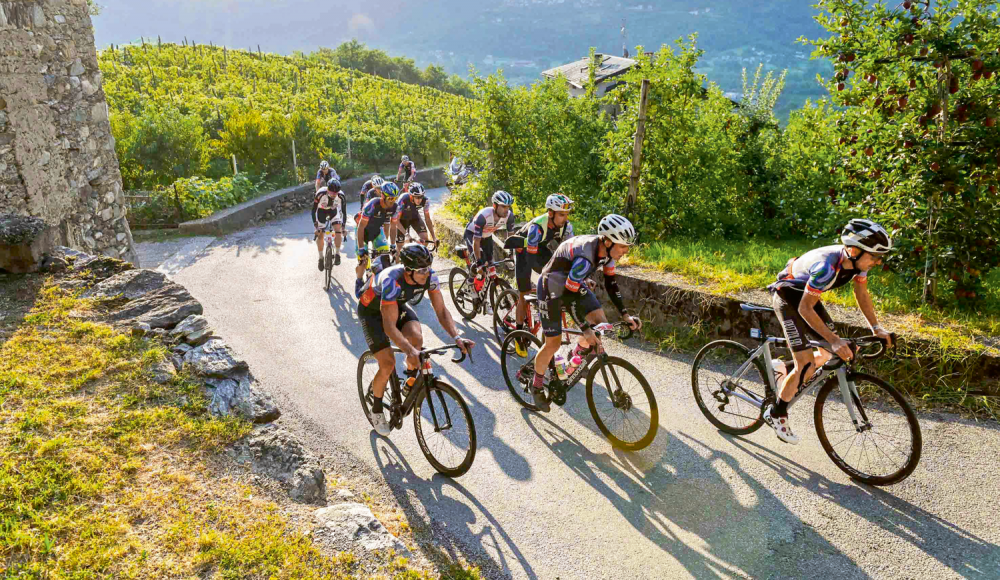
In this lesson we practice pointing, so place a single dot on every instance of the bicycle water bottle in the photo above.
(573, 363)
(560, 364)
(479, 281)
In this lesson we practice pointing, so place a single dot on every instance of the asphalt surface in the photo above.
(548, 497)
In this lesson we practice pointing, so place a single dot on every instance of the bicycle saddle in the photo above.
(755, 308)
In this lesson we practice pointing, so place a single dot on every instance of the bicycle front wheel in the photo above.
(622, 403)
(462, 293)
(445, 430)
(328, 266)
(367, 368)
(728, 387)
(519, 371)
(884, 448)
(505, 314)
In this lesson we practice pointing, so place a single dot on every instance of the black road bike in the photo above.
(470, 300)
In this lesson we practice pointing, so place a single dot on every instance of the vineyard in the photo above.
(183, 111)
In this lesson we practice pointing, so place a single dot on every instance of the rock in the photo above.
(54, 264)
(162, 372)
(24, 241)
(345, 494)
(182, 348)
(278, 454)
(242, 396)
(193, 330)
(153, 299)
(349, 525)
(141, 329)
(178, 362)
(215, 359)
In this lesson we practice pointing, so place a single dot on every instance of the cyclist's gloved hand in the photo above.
(842, 348)
(362, 251)
(633, 322)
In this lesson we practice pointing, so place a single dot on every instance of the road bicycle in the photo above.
(619, 397)
(443, 423)
(328, 240)
(865, 426)
(471, 294)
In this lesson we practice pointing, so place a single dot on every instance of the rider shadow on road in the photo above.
(699, 506)
(961, 551)
(436, 517)
(344, 306)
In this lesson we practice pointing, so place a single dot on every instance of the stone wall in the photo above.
(57, 155)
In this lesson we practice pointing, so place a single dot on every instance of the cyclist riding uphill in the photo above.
(407, 170)
(563, 285)
(542, 236)
(329, 204)
(387, 319)
(415, 212)
(371, 189)
(489, 219)
(324, 175)
(796, 300)
(377, 216)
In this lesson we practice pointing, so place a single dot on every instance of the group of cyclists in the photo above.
(565, 265)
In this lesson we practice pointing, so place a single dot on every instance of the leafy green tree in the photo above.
(158, 146)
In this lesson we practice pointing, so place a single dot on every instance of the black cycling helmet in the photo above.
(333, 186)
(867, 235)
(415, 256)
(417, 189)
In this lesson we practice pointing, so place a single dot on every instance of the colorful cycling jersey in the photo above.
(327, 200)
(330, 174)
(378, 215)
(367, 186)
(539, 236)
(408, 206)
(817, 271)
(390, 286)
(486, 222)
(573, 262)
(372, 194)
(408, 168)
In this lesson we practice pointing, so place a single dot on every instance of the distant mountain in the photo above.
(523, 37)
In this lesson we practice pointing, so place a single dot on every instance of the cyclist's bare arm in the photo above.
(868, 308)
(430, 223)
(362, 225)
(390, 314)
(808, 313)
(476, 247)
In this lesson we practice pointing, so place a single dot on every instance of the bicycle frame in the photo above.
(590, 356)
(401, 409)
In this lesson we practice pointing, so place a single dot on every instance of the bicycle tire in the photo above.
(456, 280)
(441, 389)
(654, 414)
(364, 390)
(752, 420)
(328, 266)
(498, 287)
(516, 388)
(884, 394)
(504, 315)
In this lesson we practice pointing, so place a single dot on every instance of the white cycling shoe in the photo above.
(781, 426)
(380, 424)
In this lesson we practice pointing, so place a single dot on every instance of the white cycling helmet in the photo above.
(323, 165)
(501, 197)
(377, 181)
(617, 229)
(559, 202)
(405, 158)
(867, 235)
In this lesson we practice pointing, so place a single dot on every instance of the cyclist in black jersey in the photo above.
(387, 319)
(415, 212)
(329, 203)
(796, 300)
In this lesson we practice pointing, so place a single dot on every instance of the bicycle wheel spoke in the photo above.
(721, 376)
(624, 409)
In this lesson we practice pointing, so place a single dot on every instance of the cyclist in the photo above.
(407, 170)
(387, 319)
(488, 220)
(378, 218)
(330, 203)
(564, 285)
(324, 175)
(542, 236)
(371, 188)
(796, 300)
(411, 205)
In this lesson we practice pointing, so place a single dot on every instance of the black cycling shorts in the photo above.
(407, 222)
(485, 247)
(577, 304)
(797, 330)
(524, 264)
(324, 214)
(375, 335)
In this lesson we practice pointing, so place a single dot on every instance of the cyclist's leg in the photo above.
(378, 343)
(796, 331)
(338, 237)
(522, 273)
(401, 231)
(587, 307)
(420, 227)
(409, 325)
(550, 312)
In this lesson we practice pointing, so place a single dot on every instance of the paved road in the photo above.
(549, 498)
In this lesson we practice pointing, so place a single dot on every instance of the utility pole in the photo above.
(640, 133)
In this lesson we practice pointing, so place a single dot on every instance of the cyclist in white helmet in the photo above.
(324, 175)
(795, 297)
(371, 189)
(563, 285)
(487, 221)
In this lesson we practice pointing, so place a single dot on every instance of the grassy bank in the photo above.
(105, 473)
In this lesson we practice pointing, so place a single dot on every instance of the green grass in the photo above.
(726, 267)
(107, 474)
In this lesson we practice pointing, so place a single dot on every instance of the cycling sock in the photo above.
(520, 326)
(780, 409)
(539, 381)
(376, 404)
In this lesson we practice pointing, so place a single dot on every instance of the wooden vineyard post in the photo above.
(640, 133)
(235, 171)
(177, 204)
(295, 162)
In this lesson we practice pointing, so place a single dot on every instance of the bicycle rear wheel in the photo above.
(328, 267)
(622, 404)
(367, 367)
(518, 371)
(462, 293)
(886, 448)
(445, 430)
(719, 384)
(505, 314)
(498, 287)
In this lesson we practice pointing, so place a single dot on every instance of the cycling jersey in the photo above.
(817, 271)
(378, 215)
(330, 174)
(540, 242)
(575, 261)
(329, 205)
(486, 222)
(408, 206)
(408, 168)
(367, 186)
(390, 286)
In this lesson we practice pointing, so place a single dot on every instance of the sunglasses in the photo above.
(422, 271)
